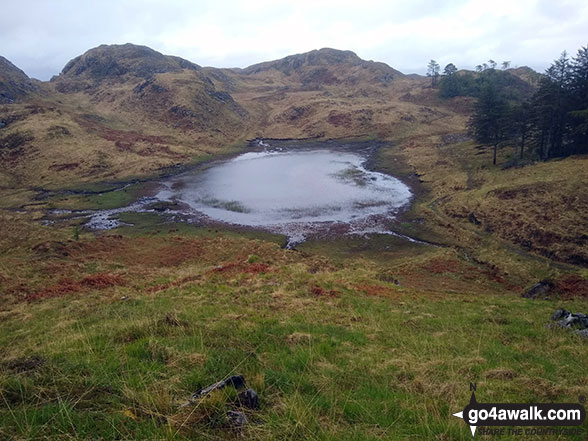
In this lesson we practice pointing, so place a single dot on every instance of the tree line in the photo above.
(547, 121)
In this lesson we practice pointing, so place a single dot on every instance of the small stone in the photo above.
(473, 219)
(249, 399)
(237, 381)
(237, 419)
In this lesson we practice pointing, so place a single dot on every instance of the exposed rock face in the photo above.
(14, 83)
(107, 61)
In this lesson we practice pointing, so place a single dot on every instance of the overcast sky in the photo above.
(40, 36)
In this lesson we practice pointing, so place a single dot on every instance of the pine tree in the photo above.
(552, 104)
(433, 69)
(450, 84)
(449, 70)
(489, 124)
(521, 124)
(579, 98)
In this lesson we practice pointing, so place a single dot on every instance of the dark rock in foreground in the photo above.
(237, 381)
(249, 399)
(539, 289)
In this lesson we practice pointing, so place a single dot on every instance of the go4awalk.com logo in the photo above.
(499, 418)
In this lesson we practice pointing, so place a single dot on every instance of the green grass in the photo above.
(351, 366)
(96, 199)
(157, 224)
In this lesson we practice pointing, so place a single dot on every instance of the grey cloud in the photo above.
(41, 36)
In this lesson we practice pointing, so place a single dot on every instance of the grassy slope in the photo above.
(334, 347)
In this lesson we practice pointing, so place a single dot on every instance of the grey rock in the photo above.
(540, 288)
(237, 419)
(559, 314)
(567, 319)
(249, 399)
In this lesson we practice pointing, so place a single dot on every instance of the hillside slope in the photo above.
(14, 83)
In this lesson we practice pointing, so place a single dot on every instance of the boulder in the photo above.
(539, 289)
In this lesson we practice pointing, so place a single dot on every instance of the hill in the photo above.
(138, 112)
(327, 67)
(514, 84)
(14, 83)
(527, 74)
(118, 62)
(133, 111)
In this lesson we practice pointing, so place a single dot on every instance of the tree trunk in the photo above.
(522, 144)
(494, 158)
(542, 143)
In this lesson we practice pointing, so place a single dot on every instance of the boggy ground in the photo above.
(106, 336)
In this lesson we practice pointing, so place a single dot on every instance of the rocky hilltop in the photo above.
(114, 111)
(328, 66)
(14, 83)
(114, 60)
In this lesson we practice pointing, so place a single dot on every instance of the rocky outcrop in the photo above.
(576, 321)
(319, 57)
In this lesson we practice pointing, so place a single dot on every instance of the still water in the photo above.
(294, 192)
(319, 193)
